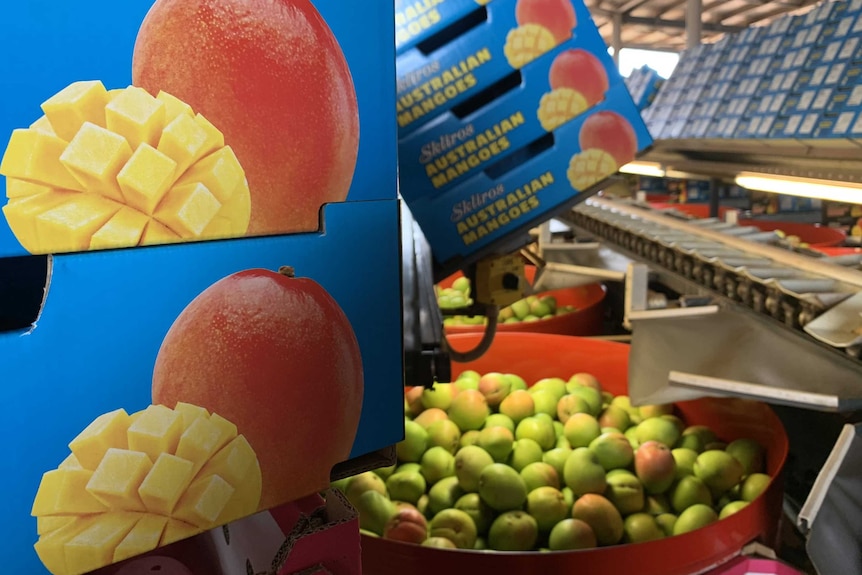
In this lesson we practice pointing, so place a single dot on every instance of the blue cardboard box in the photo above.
(157, 391)
(488, 141)
(851, 50)
(851, 75)
(418, 20)
(849, 99)
(427, 165)
(514, 194)
(433, 82)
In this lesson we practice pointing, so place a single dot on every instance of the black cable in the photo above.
(491, 312)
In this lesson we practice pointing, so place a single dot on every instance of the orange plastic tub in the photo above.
(833, 251)
(587, 320)
(699, 211)
(534, 356)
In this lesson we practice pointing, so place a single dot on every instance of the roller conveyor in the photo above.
(754, 318)
(739, 263)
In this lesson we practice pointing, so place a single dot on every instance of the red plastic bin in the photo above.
(535, 356)
(812, 234)
(587, 320)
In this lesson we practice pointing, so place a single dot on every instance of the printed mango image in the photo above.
(121, 168)
(294, 123)
(136, 482)
(578, 82)
(542, 25)
(607, 142)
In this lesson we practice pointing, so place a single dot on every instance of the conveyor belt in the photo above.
(738, 263)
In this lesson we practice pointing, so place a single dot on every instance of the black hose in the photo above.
(491, 312)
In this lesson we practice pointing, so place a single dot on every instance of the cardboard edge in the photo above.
(384, 457)
(336, 512)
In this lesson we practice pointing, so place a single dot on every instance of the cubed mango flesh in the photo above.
(158, 234)
(200, 442)
(16, 188)
(21, 214)
(106, 431)
(34, 155)
(48, 523)
(94, 546)
(177, 530)
(42, 124)
(165, 483)
(152, 155)
(123, 230)
(590, 167)
(144, 536)
(71, 462)
(72, 223)
(64, 492)
(219, 172)
(115, 482)
(188, 209)
(204, 501)
(156, 431)
(190, 413)
(51, 548)
(146, 178)
(136, 482)
(232, 462)
(173, 106)
(75, 104)
(95, 157)
(186, 141)
(228, 429)
(526, 43)
(137, 116)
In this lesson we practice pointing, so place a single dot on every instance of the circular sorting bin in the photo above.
(535, 356)
(586, 320)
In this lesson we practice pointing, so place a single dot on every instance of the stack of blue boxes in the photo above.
(643, 85)
(800, 78)
(508, 111)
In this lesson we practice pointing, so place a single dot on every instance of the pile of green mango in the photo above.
(528, 309)
(490, 463)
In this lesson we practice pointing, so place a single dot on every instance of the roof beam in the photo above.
(666, 8)
(655, 47)
(679, 24)
(631, 5)
(778, 11)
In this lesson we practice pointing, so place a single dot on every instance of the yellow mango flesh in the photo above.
(590, 167)
(121, 168)
(144, 536)
(94, 546)
(559, 106)
(526, 43)
(75, 104)
(168, 480)
(136, 482)
(34, 155)
(117, 478)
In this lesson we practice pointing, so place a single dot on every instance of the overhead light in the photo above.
(652, 169)
(802, 187)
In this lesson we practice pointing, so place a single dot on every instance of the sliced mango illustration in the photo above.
(136, 482)
(121, 168)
